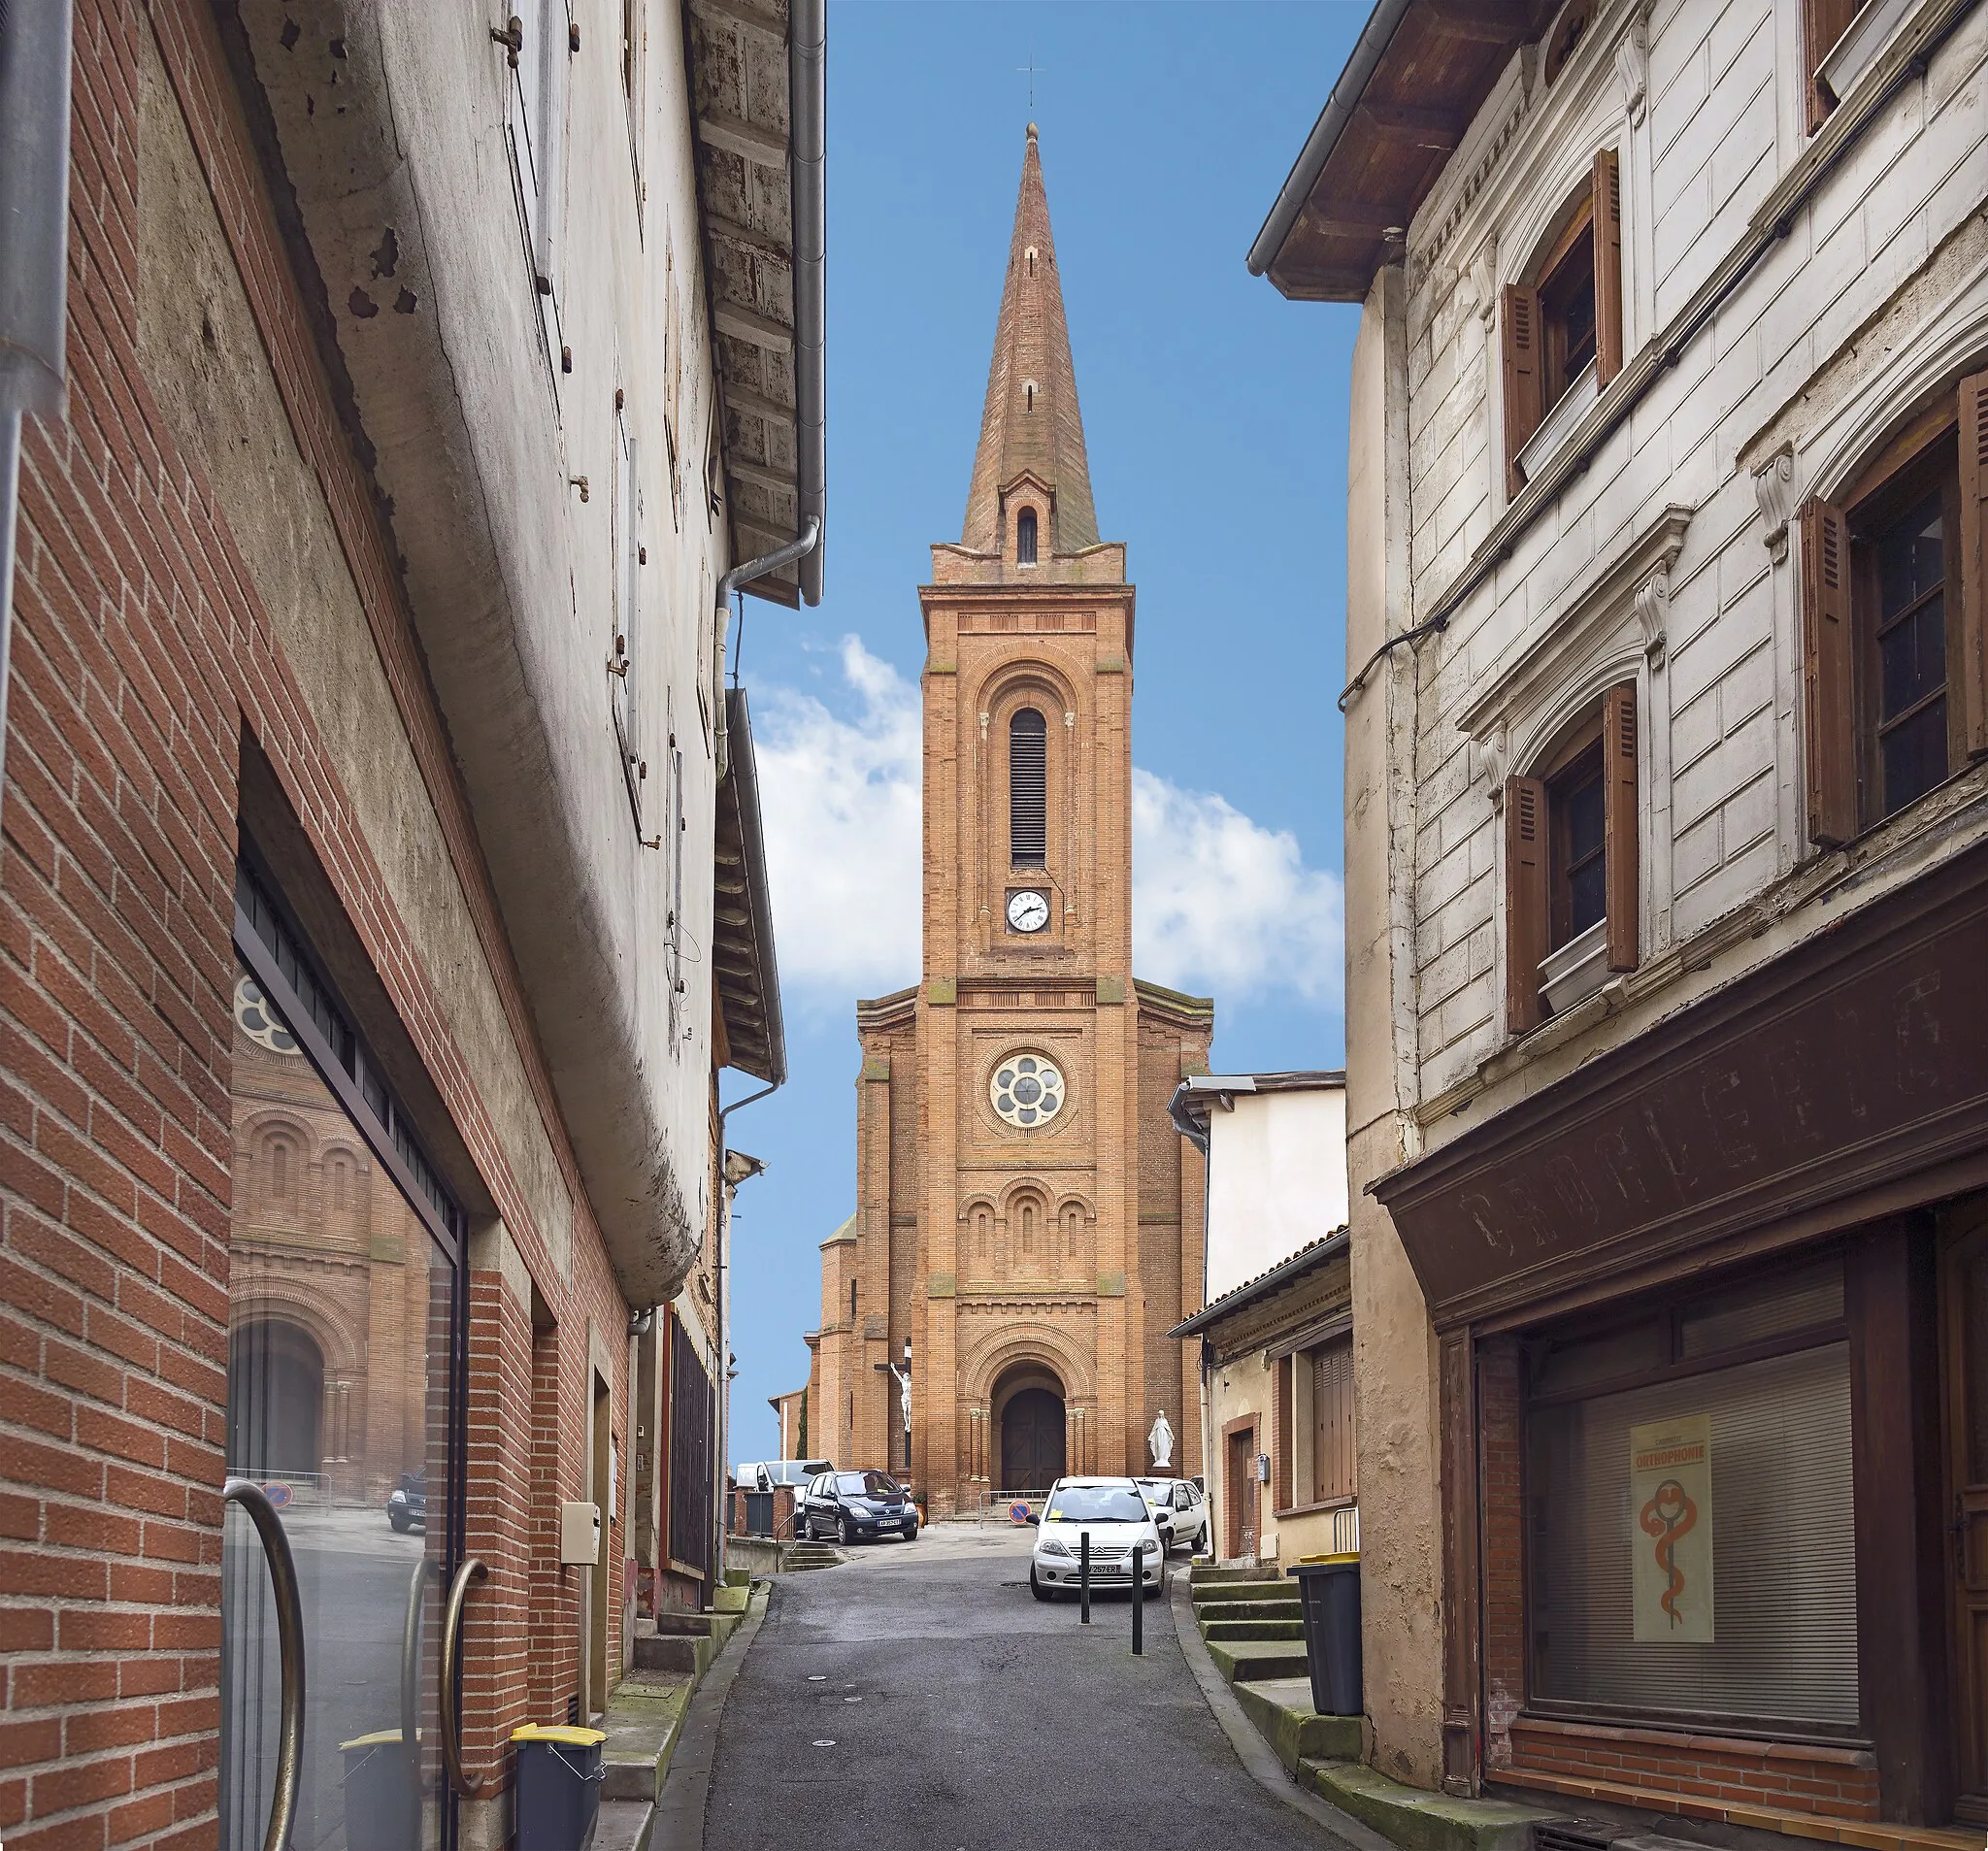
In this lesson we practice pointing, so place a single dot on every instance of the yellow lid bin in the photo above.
(559, 1774)
(382, 1805)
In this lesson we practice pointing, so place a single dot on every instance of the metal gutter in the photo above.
(1367, 51)
(807, 547)
(808, 115)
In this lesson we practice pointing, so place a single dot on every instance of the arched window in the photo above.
(1028, 789)
(981, 1222)
(278, 1167)
(1025, 538)
(1028, 396)
(1028, 1227)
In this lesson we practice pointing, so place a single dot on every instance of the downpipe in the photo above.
(800, 548)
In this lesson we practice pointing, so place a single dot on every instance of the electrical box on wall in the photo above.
(579, 1534)
(1263, 1468)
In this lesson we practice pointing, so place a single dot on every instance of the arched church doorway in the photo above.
(276, 1400)
(1028, 1405)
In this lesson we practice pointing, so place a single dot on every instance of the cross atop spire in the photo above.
(1031, 422)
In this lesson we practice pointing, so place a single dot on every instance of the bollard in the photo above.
(1083, 1577)
(1139, 1599)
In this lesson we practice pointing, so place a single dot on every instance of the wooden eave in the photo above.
(736, 53)
(744, 971)
(1441, 64)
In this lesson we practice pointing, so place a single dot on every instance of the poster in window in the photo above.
(1670, 1526)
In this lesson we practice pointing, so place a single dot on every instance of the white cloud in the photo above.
(1219, 904)
(841, 802)
(1222, 905)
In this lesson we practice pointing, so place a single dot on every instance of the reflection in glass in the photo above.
(341, 1307)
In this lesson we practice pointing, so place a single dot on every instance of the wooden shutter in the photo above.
(1607, 234)
(1522, 385)
(1335, 1469)
(1525, 901)
(1622, 826)
(1970, 676)
(1829, 747)
(1283, 1436)
(1823, 24)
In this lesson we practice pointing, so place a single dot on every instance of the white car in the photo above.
(1181, 1509)
(1114, 1514)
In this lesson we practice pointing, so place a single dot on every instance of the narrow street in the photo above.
(918, 1694)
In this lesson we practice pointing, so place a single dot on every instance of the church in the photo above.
(1029, 1223)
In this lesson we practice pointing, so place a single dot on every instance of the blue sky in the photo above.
(1215, 413)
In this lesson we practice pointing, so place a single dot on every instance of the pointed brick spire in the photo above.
(1031, 420)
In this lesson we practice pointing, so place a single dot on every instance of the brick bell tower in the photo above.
(1027, 1216)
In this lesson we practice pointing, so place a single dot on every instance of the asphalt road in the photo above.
(919, 1696)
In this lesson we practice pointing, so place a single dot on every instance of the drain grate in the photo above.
(1570, 1834)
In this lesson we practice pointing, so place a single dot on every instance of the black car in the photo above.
(849, 1506)
(406, 1504)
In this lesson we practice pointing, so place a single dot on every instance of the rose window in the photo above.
(1027, 1090)
(258, 1018)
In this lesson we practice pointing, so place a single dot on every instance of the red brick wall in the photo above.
(1704, 1775)
(140, 658)
(1698, 1776)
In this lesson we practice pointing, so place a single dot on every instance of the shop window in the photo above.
(1025, 537)
(1028, 789)
(1571, 853)
(1691, 1546)
(1892, 589)
(1562, 331)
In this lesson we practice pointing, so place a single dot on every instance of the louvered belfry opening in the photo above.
(1028, 789)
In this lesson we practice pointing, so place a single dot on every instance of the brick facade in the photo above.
(164, 685)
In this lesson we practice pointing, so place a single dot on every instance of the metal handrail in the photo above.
(451, 1648)
(410, 1687)
(289, 1631)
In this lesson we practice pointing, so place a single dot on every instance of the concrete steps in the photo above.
(1231, 1631)
(1244, 1662)
(1257, 1587)
(1213, 1612)
(797, 1557)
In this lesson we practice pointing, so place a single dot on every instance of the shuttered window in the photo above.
(1894, 577)
(1025, 538)
(1028, 789)
(1823, 24)
(1334, 1471)
(1567, 318)
(1782, 1600)
(1572, 856)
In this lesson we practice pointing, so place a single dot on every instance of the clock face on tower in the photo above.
(1028, 910)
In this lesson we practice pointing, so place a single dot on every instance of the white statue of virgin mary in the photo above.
(1160, 1441)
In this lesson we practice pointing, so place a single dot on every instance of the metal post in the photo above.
(1138, 1599)
(1083, 1579)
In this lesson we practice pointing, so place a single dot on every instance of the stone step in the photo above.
(1282, 1710)
(1210, 1611)
(686, 1654)
(1203, 1572)
(1254, 1589)
(1428, 1821)
(1247, 1630)
(1243, 1661)
(678, 1624)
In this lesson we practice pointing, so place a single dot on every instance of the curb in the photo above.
(1259, 1759)
(677, 1822)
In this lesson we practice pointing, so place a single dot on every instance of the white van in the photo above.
(770, 1472)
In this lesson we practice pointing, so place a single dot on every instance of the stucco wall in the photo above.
(1277, 1181)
